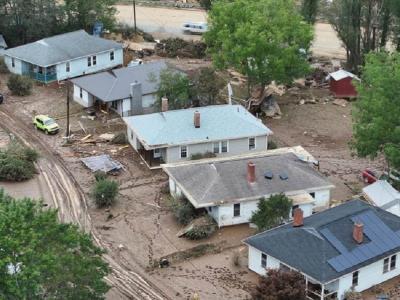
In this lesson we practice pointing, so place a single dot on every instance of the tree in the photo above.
(309, 10)
(207, 85)
(272, 211)
(104, 191)
(20, 85)
(263, 39)
(206, 4)
(362, 25)
(376, 113)
(43, 259)
(280, 285)
(176, 87)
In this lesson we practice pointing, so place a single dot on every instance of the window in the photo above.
(216, 147)
(89, 61)
(393, 262)
(157, 153)
(236, 210)
(263, 260)
(80, 93)
(13, 62)
(112, 55)
(355, 278)
(252, 143)
(94, 59)
(184, 153)
(114, 105)
(67, 67)
(224, 146)
(209, 209)
(386, 265)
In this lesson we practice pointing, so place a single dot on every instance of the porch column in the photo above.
(322, 292)
(306, 285)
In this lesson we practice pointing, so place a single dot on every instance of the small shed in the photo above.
(341, 84)
(383, 195)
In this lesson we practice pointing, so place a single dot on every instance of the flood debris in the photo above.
(101, 163)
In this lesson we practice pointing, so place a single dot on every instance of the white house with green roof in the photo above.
(64, 56)
(180, 135)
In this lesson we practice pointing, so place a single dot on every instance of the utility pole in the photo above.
(134, 13)
(67, 133)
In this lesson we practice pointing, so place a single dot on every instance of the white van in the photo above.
(194, 27)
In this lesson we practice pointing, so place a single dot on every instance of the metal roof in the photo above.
(101, 163)
(211, 183)
(341, 74)
(115, 84)
(3, 43)
(382, 194)
(61, 48)
(324, 248)
(175, 127)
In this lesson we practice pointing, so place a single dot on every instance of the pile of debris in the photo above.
(177, 47)
(263, 100)
(199, 228)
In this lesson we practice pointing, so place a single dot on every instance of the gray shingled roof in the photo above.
(308, 251)
(3, 43)
(115, 84)
(61, 48)
(208, 183)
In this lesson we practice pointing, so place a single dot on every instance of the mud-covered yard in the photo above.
(140, 227)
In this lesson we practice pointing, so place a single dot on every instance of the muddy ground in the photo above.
(140, 227)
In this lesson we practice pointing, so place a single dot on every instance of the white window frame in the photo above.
(264, 258)
(67, 67)
(393, 258)
(89, 61)
(13, 62)
(219, 143)
(240, 210)
(187, 151)
(157, 153)
(81, 93)
(386, 265)
(112, 56)
(214, 147)
(255, 143)
(94, 60)
(227, 146)
(358, 278)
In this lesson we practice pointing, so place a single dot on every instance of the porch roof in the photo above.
(310, 250)
(62, 48)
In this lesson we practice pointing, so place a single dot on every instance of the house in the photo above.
(351, 246)
(383, 195)
(64, 56)
(179, 135)
(3, 44)
(128, 91)
(229, 189)
(341, 84)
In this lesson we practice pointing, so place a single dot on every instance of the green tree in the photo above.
(43, 259)
(376, 113)
(20, 85)
(105, 191)
(263, 39)
(207, 85)
(279, 285)
(176, 87)
(206, 4)
(309, 10)
(271, 212)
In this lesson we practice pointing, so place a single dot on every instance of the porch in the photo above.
(316, 291)
(43, 74)
(153, 158)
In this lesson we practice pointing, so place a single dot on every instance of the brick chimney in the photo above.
(164, 104)
(251, 172)
(298, 219)
(358, 232)
(197, 119)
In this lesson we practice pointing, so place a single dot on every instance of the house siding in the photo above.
(86, 100)
(254, 262)
(322, 198)
(80, 66)
(235, 147)
(17, 69)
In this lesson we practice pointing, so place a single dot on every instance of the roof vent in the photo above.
(283, 176)
(269, 175)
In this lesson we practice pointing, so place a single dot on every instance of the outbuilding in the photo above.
(341, 84)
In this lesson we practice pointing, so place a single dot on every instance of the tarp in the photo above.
(101, 163)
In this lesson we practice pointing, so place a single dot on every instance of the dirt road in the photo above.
(70, 200)
(167, 22)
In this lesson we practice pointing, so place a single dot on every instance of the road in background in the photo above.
(167, 22)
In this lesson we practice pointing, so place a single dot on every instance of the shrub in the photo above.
(17, 163)
(200, 232)
(100, 175)
(3, 67)
(174, 47)
(202, 155)
(105, 192)
(272, 145)
(120, 138)
(20, 85)
(183, 210)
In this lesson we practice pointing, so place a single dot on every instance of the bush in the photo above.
(272, 145)
(100, 175)
(17, 163)
(174, 47)
(201, 231)
(20, 85)
(202, 155)
(105, 192)
(3, 67)
(120, 138)
(183, 210)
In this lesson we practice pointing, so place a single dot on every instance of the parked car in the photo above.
(1, 98)
(194, 27)
(369, 176)
(45, 123)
